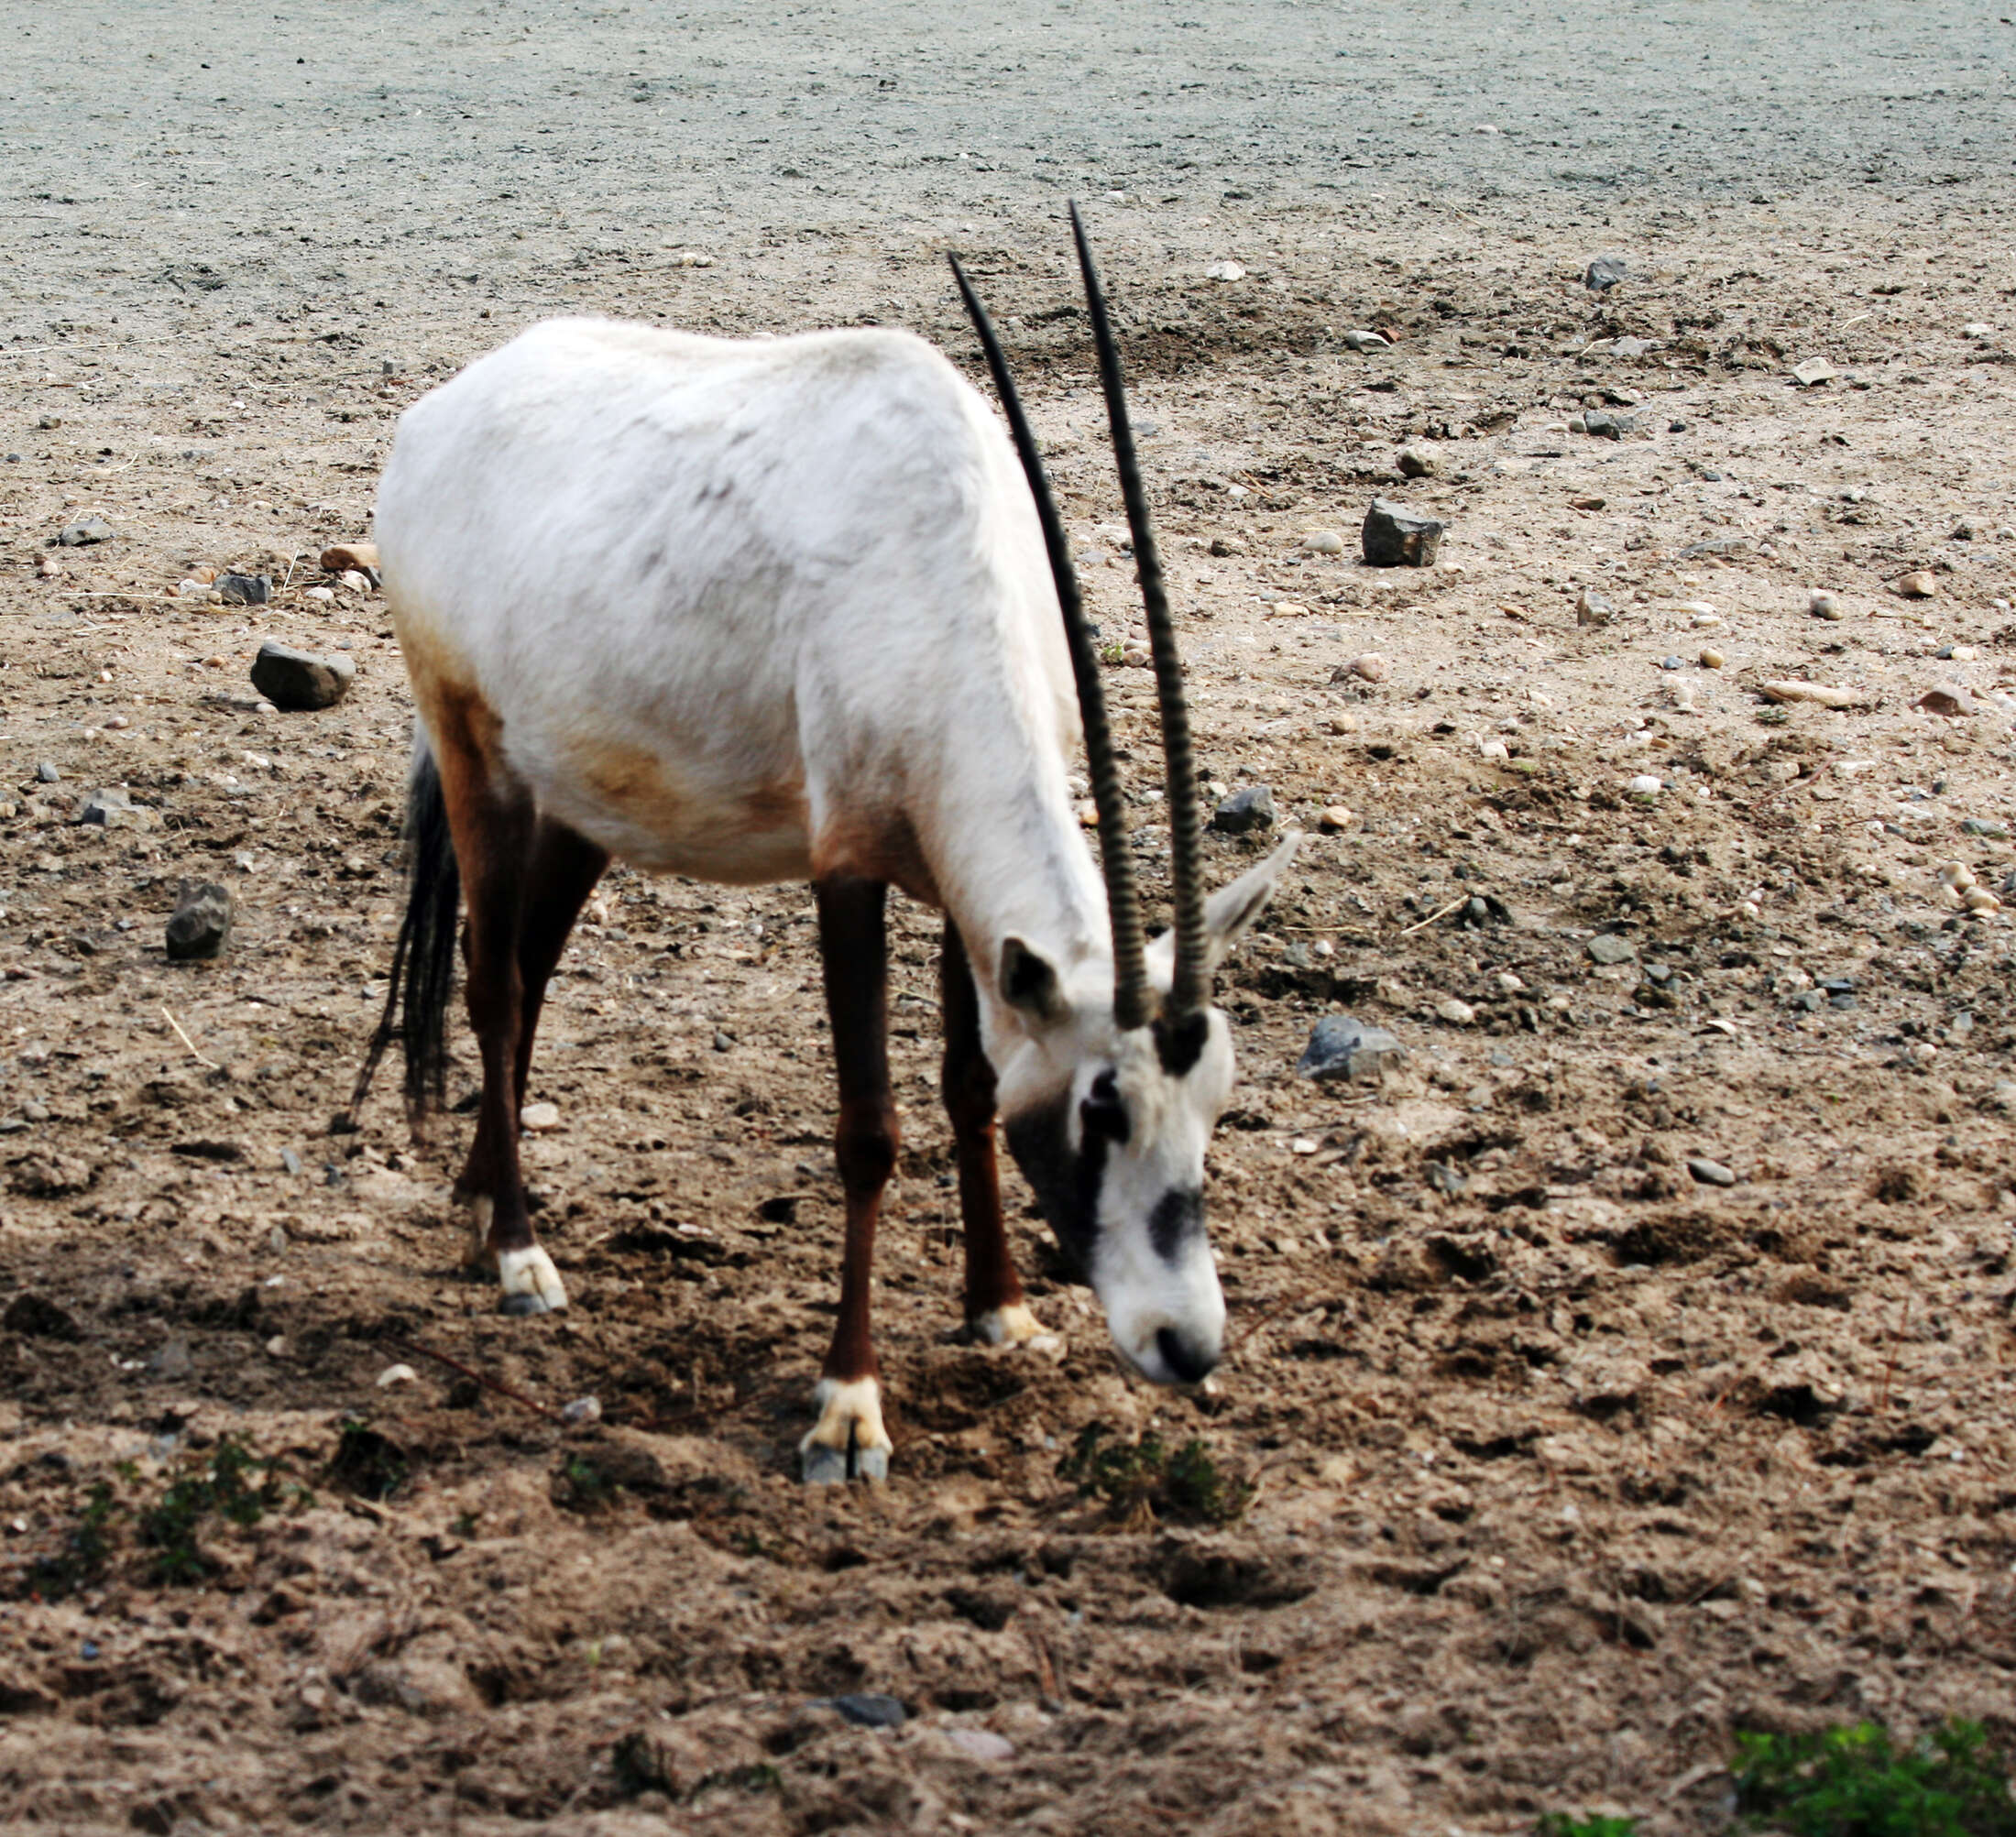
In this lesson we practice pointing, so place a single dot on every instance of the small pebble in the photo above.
(1711, 659)
(1224, 270)
(46, 773)
(1335, 818)
(981, 1744)
(1395, 537)
(870, 1709)
(540, 1119)
(581, 1410)
(201, 924)
(396, 1375)
(1592, 608)
(1371, 666)
(1604, 273)
(1415, 464)
(1824, 605)
(1610, 947)
(1323, 543)
(84, 532)
(1672, 663)
(1920, 584)
(1710, 1173)
(1813, 372)
(1456, 1012)
(1645, 785)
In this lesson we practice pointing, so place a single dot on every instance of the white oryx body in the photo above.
(781, 609)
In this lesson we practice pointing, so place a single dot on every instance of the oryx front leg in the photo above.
(491, 817)
(996, 1314)
(848, 1442)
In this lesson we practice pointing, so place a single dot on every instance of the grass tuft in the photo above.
(1861, 1782)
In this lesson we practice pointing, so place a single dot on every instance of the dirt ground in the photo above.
(1565, 1459)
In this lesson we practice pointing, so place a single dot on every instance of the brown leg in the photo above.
(560, 875)
(849, 1441)
(994, 1308)
(490, 817)
(566, 866)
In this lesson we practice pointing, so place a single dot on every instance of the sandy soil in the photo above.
(1565, 1461)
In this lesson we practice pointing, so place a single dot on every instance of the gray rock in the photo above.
(1415, 464)
(201, 924)
(1606, 424)
(1342, 1048)
(1710, 1173)
(1604, 273)
(1395, 537)
(1607, 947)
(45, 773)
(245, 589)
(1245, 811)
(1983, 826)
(83, 532)
(870, 1709)
(1672, 663)
(112, 808)
(299, 679)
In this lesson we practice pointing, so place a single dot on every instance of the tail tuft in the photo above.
(423, 961)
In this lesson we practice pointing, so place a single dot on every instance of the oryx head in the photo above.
(1125, 1067)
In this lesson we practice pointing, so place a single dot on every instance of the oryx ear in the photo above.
(1030, 984)
(1231, 910)
(1227, 913)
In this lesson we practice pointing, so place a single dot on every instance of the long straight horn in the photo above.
(1132, 995)
(1190, 988)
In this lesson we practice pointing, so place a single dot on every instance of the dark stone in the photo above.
(245, 589)
(1676, 427)
(298, 680)
(201, 924)
(1245, 811)
(1604, 273)
(870, 1709)
(83, 532)
(1605, 424)
(1983, 826)
(1340, 1047)
(1395, 537)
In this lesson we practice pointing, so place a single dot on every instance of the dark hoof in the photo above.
(823, 1466)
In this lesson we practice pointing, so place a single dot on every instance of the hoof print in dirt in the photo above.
(200, 925)
(1342, 1048)
(1395, 537)
(1245, 812)
(298, 681)
(245, 589)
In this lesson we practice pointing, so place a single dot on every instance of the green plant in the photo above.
(1860, 1782)
(1560, 1824)
(220, 1487)
(1142, 1477)
(86, 1549)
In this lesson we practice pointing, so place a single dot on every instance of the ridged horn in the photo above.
(1190, 990)
(1132, 997)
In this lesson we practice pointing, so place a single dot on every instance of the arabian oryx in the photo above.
(791, 609)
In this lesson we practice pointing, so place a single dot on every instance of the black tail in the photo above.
(423, 961)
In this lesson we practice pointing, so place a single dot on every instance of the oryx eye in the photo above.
(1101, 1112)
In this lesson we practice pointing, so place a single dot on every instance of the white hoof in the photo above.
(848, 1442)
(530, 1282)
(1015, 1326)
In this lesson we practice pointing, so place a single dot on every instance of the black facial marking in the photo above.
(1067, 1184)
(1179, 1044)
(1102, 1113)
(1178, 1217)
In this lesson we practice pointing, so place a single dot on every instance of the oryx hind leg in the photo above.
(850, 1441)
(995, 1310)
(491, 819)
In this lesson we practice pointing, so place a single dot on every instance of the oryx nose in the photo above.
(1189, 1360)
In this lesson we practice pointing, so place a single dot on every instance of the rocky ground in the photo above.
(1624, 1365)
